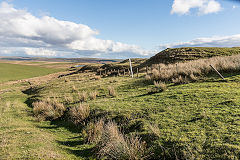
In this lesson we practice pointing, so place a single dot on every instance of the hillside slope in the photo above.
(173, 55)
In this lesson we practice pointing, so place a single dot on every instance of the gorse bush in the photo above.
(78, 114)
(48, 109)
(190, 71)
(115, 145)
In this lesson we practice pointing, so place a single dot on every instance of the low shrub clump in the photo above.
(78, 114)
(94, 131)
(48, 109)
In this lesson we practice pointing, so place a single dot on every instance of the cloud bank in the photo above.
(23, 33)
(204, 6)
(224, 41)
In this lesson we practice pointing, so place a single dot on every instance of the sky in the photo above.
(115, 28)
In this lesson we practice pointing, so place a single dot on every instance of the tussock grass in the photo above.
(94, 131)
(48, 109)
(190, 71)
(115, 145)
(83, 96)
(78, 114)
(93, 95)
(111, 91)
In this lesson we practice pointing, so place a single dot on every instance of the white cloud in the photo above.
(204, 6)
(48, 36)
(224, 41)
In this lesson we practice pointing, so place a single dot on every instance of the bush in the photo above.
(78, 114)
(48, 110)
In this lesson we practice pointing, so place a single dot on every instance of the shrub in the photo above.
(111, 91)
(78, 114)
(148, 77)
(93, 95)
(48, 110)
(115, 145)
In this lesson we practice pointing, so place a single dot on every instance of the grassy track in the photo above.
(11, 72)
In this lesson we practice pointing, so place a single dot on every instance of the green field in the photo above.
(11, 72)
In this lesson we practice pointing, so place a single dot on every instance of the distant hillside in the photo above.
(173, 55)
(76, 60)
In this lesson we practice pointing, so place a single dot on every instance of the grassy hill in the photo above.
(173, 55)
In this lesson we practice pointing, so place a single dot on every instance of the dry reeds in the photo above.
(48, 109)
(190, 71)
(78, 114)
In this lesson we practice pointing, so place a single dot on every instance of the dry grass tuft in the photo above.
(48, 109)
(83, 96)
(115, 145)
(111, 91)
(78, 114)
(68, 98)
(160, 86)
(94, 131)
(93, 95)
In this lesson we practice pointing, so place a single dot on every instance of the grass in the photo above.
(189, 121)
(11, 72)
(173, 55)
(200, 115)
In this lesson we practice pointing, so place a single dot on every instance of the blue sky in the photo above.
(116, 28)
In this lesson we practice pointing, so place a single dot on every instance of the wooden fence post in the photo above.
(218, 73)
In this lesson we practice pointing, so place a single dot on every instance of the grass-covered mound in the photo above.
(173, 55)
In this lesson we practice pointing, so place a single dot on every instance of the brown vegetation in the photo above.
(78, 114)
(189, 71)
(48, 109)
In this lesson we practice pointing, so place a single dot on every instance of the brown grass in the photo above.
(78, 114)
(93, 95)
(94, 131)
(49, 109)
(83, 96)
(160, 85)
(115, 145)
(190, 71)
(111, 91)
